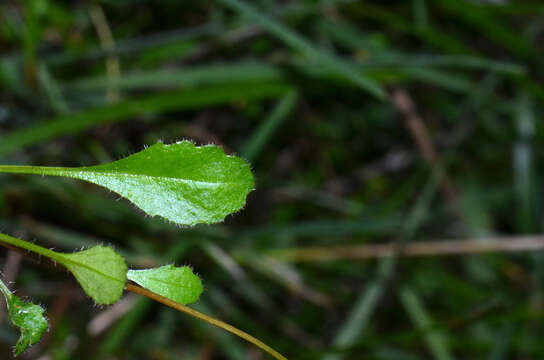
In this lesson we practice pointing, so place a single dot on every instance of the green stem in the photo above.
(36, 170)
(56, 256)
(197, 314)
(10, 240)
(31, 247)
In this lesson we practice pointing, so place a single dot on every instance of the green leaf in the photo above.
(100, 271)
(181, 182)
(179, 284)
(28, 317)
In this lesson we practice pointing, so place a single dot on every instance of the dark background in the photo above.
(450, 151)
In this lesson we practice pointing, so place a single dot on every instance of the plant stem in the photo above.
(36, 170)
(31, 247)
(204, 317)
(6, 239)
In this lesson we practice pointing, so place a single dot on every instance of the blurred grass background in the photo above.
(393, 124)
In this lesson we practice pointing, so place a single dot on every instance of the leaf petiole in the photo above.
(100, 271)
(31, 247)
(197, 314)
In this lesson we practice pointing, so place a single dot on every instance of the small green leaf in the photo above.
(181, 182)
(28, 317)
(100, 271)
(179, 284)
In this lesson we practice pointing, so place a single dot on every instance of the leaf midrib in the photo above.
(162, 282)
(113, 174)
(69, 260)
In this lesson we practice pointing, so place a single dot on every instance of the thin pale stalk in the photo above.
(420, 248)
(206, 318)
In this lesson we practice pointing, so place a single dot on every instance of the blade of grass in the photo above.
(503, 344)
(491, 26)
(264, 132)
(51, 89)
(117, 336)
(440, 40)
(178, 100)
(380, 55)
(526, 193)
(421, 16)
(447, 80)
(247, 288)
(226, 343)
(135, 44)
(419, 67)
(298, 42)
(523, 166)
(453, 61)
(369, 298)
(434, 339)
(230, 266)
(289, 277)
(186, 77)
(113, 65)
(32, 32)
